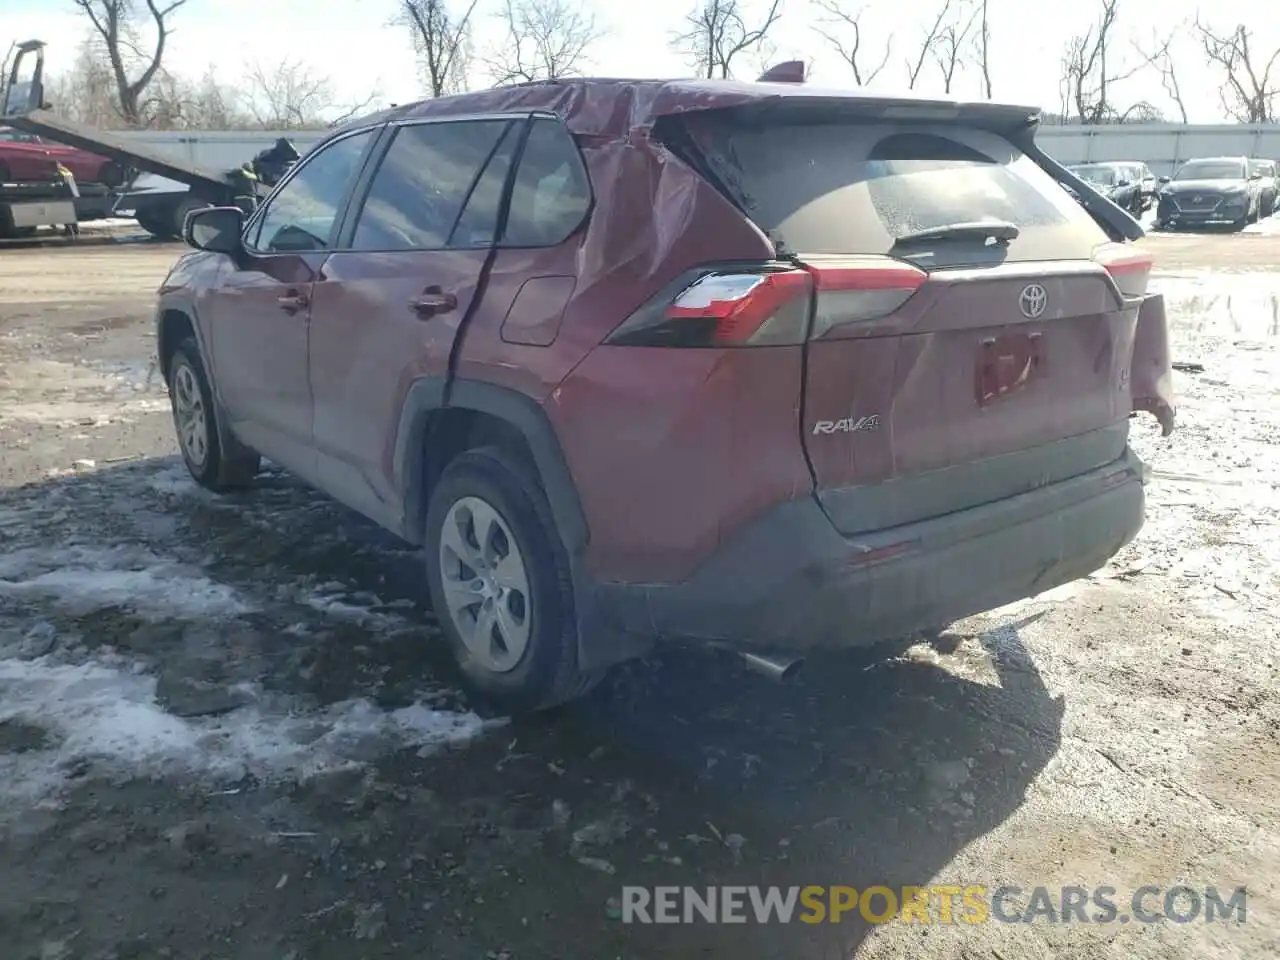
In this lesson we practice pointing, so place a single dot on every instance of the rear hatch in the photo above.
(971, 328)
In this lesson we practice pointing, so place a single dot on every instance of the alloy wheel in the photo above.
(190, 416)
(486, 584)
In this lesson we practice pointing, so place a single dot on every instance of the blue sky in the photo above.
(356, 43)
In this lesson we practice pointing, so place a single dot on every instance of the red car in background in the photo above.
(25, 156)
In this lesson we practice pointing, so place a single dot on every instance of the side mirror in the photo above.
(1255, 176)
(214, 228)
(1163, 180)
(1122, 183)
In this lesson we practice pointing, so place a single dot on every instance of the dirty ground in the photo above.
(227, 728)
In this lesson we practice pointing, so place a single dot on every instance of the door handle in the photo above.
(292, 302)
(431, 301)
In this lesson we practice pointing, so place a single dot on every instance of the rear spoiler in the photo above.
(1114, 219)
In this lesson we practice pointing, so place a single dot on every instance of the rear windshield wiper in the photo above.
(999, 230)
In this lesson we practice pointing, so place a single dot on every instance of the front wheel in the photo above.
(212, 463)
(500, 583)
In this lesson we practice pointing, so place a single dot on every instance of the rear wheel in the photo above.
(500, 583)
(111, 174)
(157, 222)
(185, 206)
(212, 463)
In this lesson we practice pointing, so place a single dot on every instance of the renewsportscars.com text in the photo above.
(942, 904)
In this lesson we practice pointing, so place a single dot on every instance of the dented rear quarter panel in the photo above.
(1151, 374)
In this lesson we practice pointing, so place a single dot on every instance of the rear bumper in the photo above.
(792, 582)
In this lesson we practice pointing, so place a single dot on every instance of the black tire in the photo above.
(546, 673)
(152, 222)
(111, 174)
(227, 464)
(180, 211)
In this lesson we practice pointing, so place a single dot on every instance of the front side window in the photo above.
(302, 215)
(430, 173)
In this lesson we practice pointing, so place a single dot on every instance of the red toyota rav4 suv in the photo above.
(753, 364)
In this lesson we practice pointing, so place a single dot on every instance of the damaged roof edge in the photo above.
(597, 106)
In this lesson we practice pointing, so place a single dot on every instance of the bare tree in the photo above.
(843, 32)
(545, 40)
(119, 25)
(951, 43)
(1089, 73)
(927, 45)
(86, 91)
(984, 49)
(1160, 55)
(442, 42)
(1250, 93)
(291, 97)
(716, 32)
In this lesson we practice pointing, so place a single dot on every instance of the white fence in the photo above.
(1162, 147)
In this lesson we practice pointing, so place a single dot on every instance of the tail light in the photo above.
(769, 304)
(1129, 266)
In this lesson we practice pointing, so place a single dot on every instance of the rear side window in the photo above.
(425, 180)
(552, 193)
(854, 188)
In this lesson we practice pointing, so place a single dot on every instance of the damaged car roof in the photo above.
(616, 107)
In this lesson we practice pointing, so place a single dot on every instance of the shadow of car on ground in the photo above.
(685, 770)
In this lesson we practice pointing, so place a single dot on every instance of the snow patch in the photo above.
(106, 712)
(83, 579)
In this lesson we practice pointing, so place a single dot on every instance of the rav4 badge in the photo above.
(847, 425)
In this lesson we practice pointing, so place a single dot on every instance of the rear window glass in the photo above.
(856, 187)
(1211, 170)
(1096, 173)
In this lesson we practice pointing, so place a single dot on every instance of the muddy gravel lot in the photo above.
(227, 729)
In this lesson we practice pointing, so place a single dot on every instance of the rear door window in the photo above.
(855, 188)
(552, 192)
(424, 181)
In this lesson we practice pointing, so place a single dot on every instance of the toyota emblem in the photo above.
(1033, 300)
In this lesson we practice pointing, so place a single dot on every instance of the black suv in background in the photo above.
(1216, 191)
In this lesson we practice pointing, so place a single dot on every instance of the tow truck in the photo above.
(25, 109)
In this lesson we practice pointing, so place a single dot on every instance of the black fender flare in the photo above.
(601, 642)
(429, 395)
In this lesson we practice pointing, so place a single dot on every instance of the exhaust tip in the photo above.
(778, 669)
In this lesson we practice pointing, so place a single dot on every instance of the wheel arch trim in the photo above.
(427, 396)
